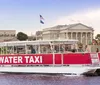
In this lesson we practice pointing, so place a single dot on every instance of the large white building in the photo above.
(7, 35)
(77, 31)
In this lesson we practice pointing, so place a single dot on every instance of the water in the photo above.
(30, 79)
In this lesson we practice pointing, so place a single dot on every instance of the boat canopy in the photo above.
(38, 42)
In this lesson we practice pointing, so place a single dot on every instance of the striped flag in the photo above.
(41, 19)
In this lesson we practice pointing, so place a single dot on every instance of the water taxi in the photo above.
(46, 57)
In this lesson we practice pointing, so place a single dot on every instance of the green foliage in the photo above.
(22, 36)
(3, 50)
(97, 37)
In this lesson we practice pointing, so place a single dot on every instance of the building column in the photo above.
(71, 35)
(91, 37)
(60, 35)
(76, 35)
(86, 38)
(67, 35)
(81, 37)
(53, 36)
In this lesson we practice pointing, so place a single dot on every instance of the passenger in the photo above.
(66, 48)
(80, 50)
(56, 49)
(87, 49)
(44, 49)
(33, 50)
(97, 50)
(73, 50)
(61, 49)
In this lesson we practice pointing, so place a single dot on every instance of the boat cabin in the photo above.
(37, 47)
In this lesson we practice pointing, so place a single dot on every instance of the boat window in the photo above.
(60, 48)
(45, 49)
(3, 50)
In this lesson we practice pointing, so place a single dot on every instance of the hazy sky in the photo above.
(23, 15)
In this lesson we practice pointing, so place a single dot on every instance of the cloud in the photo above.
(89, 18)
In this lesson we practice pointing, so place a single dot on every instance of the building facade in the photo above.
(77, 31)
(7, 35)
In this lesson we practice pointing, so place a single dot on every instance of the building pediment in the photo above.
(79, 26)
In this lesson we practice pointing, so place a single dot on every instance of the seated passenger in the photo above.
(33, 50)
(97, 50)
(73, 50)
(80, 50)
(87, 49)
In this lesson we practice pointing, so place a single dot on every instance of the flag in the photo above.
(41, 19)
(41, 22)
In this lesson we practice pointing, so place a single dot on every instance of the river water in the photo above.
(33, 79)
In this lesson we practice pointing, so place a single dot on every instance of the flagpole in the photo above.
(40, 26)
(41, 21)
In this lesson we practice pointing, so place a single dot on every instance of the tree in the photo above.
(22, 36)
(98, 38)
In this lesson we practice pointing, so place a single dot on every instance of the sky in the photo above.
(23, 15)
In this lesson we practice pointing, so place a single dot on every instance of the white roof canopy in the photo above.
(38, 42)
